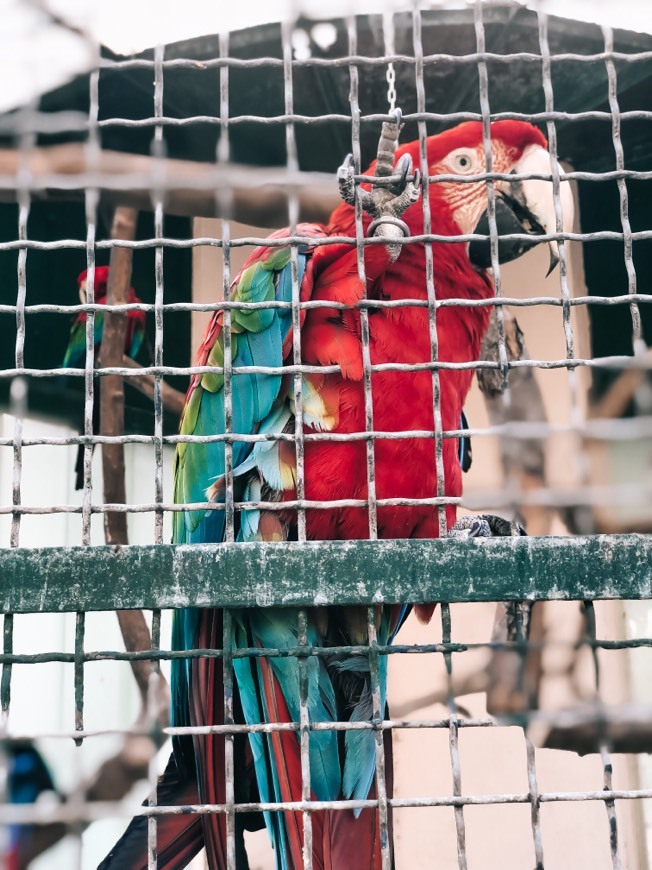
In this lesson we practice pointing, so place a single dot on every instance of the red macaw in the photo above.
(267, 690)
(76, 351)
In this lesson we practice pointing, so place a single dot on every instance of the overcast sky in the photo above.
(36, 55)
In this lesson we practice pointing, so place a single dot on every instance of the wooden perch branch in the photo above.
(260, 194)
(616, 399)
(112, 398)
(173, 400)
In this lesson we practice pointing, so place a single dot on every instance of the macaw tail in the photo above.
(205, 758)
(341, 839)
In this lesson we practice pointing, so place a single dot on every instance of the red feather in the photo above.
(286, 758)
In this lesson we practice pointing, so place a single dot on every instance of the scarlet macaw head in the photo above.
(100, 283)
(522, 206)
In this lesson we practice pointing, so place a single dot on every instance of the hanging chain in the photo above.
(391, 87)
(388, 38)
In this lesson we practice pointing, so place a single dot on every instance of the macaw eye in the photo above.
(463, 162)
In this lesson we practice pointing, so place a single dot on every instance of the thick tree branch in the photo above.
(134, 629)
(112, 388)
(513, 674)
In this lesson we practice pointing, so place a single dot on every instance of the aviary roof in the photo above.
(451, 86)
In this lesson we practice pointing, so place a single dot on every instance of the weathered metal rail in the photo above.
(327, 572)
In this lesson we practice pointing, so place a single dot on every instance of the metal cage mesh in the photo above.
(630, 578)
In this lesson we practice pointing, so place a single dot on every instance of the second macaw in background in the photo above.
(28, 777)
(342, 765)
(75, 356)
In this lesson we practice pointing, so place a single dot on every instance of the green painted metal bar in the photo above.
(328, 572)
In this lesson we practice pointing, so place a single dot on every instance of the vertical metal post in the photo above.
(352, 31)
(224, 203)
(378, 716)
(638, 342)
(292, 163)
(453, 739)
(607, 767)
(430, 271)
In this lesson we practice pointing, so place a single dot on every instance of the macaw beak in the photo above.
(82, 293)
(524, 207)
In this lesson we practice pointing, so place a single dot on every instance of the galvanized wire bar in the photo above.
(18, 407)
(453, 740)
(80, 630)
(565, 718)
(524, 647)
(224, 198)
(246, 241)
(5, 681)
(626, 429)
(471, 58)
(304, 737)
(158, 152)
(229, 738)
(308, 304)
(574, 386)
(315, 652)
(354, 77)
(622, 716)
(302, 621)
(638, 343)
(430, 278)
(92, 151)
(607, 362)
(535, 803)
(557, 497)
(378, 713)
(333, 117)
(18, 397)
(292, 162)
(483, 80)
(96, 811)
(607, 767)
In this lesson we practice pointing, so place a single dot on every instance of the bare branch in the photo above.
(173, 400)
(259, 198)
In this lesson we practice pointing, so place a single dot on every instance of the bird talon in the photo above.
(404, 166)
(345, 179)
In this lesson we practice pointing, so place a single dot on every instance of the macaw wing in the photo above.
(260, 403)
(75, 356)
(257, 399)
(135, 335)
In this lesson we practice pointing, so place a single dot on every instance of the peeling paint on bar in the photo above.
(324, 572)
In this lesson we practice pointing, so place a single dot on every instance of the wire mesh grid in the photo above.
(80, 809)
